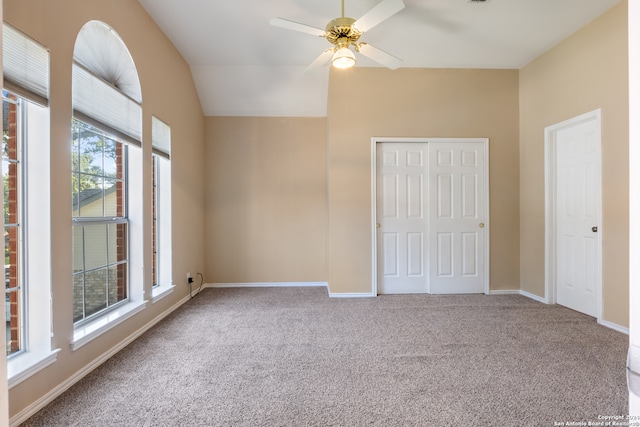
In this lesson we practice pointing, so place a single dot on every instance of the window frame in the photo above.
(162, 281)
(20, 225)
(91, 328)
(81, 222)
(154, 221)
(35, 249)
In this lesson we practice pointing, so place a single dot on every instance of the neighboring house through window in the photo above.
(99, 191)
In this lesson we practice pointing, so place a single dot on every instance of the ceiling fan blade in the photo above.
(296, 26)
(382, 11)
(319, 61)
(378, 55)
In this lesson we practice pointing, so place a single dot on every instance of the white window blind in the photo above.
(25, 64)
(160, 137)
(102, 105)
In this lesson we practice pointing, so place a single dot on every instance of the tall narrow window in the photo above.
(106, 183)
(27, 204)
(154, 222)
(161, 207)
(99, 191)
(13, 256)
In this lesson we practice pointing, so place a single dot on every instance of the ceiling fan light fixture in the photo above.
(343, 58)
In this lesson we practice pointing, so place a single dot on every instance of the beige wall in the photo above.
(169, 93)
(266, 199)
(586, 71)
(289, 200)
(376, 102)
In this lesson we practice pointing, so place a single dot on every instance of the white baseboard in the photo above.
(614, 326)
(291, 284)
(518, 292)
(604, 323)
(31, 410)
(350, 294)
(505, 292)
(534, 297)
(266, 285)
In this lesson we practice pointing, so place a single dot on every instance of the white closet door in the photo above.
(457, 234)
(401, 215)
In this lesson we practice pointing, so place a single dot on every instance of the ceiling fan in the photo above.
(344, 32)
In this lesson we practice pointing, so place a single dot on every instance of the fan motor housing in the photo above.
(341, 31)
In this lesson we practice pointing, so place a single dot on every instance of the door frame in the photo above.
(550, 170)
(374, 196)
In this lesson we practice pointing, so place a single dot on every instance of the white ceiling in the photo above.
(243, 66)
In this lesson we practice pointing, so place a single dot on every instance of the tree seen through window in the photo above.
(100, 222)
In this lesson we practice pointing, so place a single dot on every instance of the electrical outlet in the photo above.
(189, 278)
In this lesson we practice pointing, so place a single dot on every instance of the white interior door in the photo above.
(457, 219)
(400, 211)
(577, 206)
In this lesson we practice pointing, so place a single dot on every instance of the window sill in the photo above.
(25, 365)
(160, 292)
(88, 332)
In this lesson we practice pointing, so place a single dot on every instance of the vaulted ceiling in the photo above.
(243, 66)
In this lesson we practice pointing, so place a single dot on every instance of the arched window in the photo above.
(106, 181)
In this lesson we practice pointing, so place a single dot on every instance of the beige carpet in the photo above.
(295, 357)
